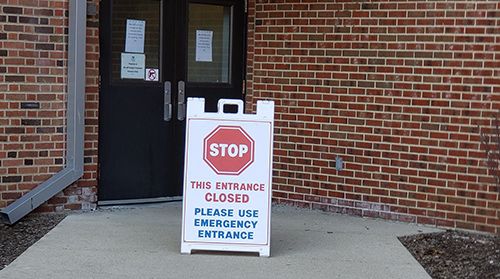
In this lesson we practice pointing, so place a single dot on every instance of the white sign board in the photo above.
(204, 40)
(133, 66)
(227, 178)
(134, 39)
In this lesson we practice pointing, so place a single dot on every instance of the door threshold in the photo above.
(139, 201)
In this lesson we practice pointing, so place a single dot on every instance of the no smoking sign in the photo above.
(227, 178)
(152, 75)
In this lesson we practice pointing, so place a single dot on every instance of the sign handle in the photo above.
(234, 102)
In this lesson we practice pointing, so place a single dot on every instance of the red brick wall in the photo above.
(33, 68)
(397, 89)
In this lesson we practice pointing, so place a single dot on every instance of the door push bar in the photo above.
(167, 101)
(181, 100)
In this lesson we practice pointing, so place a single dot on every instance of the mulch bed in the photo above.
(450, 254)
(15, 239)
(454, 254)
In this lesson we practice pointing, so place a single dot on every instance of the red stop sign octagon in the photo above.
(228, 150)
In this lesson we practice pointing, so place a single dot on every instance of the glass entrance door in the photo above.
(154, 55)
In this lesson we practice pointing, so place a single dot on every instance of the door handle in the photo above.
(181, 100)
(167, 101)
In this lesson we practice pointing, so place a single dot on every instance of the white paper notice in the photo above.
(133, 66)
(134, 41)
(204, 45)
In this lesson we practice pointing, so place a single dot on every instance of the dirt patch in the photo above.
(454, 254)
(15, 239)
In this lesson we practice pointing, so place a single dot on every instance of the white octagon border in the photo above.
(252, 148)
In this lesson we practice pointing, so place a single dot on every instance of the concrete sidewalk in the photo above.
(144, 242)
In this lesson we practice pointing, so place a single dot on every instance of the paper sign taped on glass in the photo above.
(133, 66)
(204, 40)
(134, 39)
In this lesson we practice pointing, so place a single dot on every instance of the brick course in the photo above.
(397, 89)
(33, 68)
